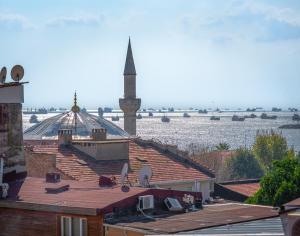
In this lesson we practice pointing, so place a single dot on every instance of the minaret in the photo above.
(129, 104)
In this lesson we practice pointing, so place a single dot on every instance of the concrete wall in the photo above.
(39, 164)
(104, 150)
(205, 187)
(291, 222)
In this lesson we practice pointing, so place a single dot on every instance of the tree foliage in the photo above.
(269, 146)
(223, 146)
(243, 165)
(281, 184)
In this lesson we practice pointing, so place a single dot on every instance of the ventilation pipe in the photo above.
(3, 186)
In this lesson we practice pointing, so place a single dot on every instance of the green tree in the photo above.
(269, 146)
(223, 146)
(243, 165)
(281, 184)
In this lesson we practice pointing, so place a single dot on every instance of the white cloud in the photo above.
(10, 20)
(271, 12)
(83, 20)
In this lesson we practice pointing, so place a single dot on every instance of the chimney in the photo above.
(99, 134)
(11, 126)
(64, 137)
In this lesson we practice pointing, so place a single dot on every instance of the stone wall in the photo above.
(11, 135)
(114, 150)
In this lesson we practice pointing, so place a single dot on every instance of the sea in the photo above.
(199, 132)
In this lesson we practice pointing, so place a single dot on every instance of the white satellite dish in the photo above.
(3, 75)
(145, 175)
(17, 73)
(124, 174)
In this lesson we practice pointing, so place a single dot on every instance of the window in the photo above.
(73, 226)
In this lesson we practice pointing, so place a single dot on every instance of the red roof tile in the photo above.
(165, 167)
(246, 189)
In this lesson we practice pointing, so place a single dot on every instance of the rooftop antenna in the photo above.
(17, 73)
(124, 174)
(145, 175)
(3, 75)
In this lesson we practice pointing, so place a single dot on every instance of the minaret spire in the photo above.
(129, 64)
(75, 107)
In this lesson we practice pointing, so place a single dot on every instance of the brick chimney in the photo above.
(99, 134)
(64, 137)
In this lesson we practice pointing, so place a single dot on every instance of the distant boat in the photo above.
(150, 114)
(171, 109)
(107, 109)
(264, 116)
(33, 119)
(250, 116)
(237, 118)
(202, 111)
(139, 116)
(186, 115)
(296, 117)
(215, 118)
(275, 109)
(165, 119)
(36, 111)
(115, 118)
(251, 109)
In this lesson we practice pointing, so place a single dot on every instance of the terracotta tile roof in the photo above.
(213, 160)
(214, 215)
(246, 189)
(82, 197)
(294, 203)
(165, 167)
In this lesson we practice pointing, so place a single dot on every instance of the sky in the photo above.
(188, 53)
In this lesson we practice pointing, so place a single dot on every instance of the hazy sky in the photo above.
(200, 53)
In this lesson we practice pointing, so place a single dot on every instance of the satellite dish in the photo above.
(3, 75)
(17, 73)
(124, 173)
(145, 175)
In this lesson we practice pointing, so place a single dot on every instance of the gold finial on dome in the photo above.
(75, 108)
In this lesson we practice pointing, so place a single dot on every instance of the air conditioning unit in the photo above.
(173, 204)
(146, 202)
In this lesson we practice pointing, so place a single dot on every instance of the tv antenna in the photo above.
(124, 174)
(17, 73)
(3, 75)
(145, 175)
(124, 177)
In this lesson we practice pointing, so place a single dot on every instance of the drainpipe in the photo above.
(1, 170)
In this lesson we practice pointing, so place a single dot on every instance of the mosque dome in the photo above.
(79, 121)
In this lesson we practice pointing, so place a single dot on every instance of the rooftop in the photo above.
(81, 198)
(245, 187)
(294, 203)
(210, 216)
(165, 167)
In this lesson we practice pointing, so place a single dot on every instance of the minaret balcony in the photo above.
(130, 105)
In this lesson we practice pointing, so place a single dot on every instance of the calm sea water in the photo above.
(200, 130)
